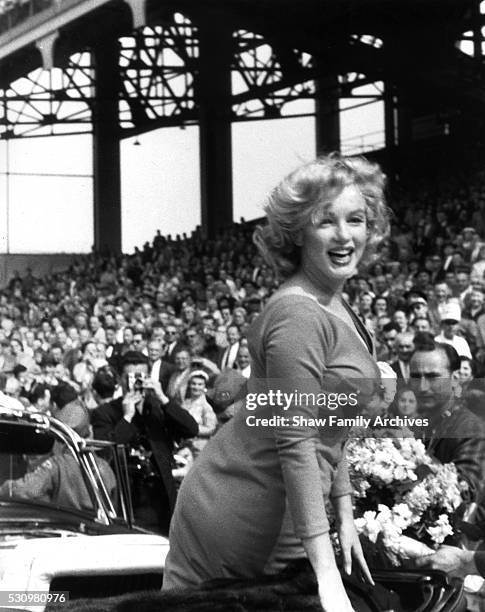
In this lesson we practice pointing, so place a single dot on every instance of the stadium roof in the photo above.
(418, 37)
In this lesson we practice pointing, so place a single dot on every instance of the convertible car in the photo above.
(83, 543)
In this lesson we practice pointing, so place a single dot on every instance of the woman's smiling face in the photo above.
(333, 244)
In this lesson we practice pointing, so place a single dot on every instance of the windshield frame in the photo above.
(83, 451)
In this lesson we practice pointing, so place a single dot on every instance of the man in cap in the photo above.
(58, 479)
(454, 434)
(418, 307)
(450, 317)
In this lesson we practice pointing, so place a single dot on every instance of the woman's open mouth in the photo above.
(341, 257)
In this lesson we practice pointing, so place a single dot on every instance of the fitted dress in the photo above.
(251, 484)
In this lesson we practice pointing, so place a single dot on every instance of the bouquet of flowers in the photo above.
(405, 502)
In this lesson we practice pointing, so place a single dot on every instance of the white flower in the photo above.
(369, 526)
(403, 516)
(418, 499)
(440, 529)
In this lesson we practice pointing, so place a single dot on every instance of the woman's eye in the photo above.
(357, 220)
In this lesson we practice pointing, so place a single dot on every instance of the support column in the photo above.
(477, 33)
(327, 114)
(404, 120)
(404, 128)
(106, 148)
(213, 97)
(390, 126)
(390, 123)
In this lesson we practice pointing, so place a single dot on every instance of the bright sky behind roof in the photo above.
(47, 203)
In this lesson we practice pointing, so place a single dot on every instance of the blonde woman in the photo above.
(255, 498)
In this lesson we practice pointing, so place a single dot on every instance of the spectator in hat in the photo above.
(451, 316)
(199, 408)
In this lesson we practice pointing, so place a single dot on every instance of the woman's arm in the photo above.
(297, 346)
(331, 590)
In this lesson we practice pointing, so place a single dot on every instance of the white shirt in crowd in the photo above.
(458, 343)
(229, 356)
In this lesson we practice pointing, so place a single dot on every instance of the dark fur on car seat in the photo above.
(293, 590)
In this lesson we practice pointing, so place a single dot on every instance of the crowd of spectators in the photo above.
(182, 306)
(13, 12)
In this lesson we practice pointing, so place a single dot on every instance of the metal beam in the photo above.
(45, 23)
(106, 149)
(213, 98)
(327, 127)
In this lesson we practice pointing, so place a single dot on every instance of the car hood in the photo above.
(37, 545)
(29, 516)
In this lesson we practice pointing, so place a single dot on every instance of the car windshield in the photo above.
(39, 464)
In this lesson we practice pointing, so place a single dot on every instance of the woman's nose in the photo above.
(342, 231)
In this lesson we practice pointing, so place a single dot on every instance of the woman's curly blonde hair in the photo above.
(293, 203)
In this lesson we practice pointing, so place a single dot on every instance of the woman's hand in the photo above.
(351, 548)
(331, 591)
(349, 538)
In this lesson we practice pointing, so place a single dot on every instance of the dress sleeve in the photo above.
(341, 483)
(297, 344)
